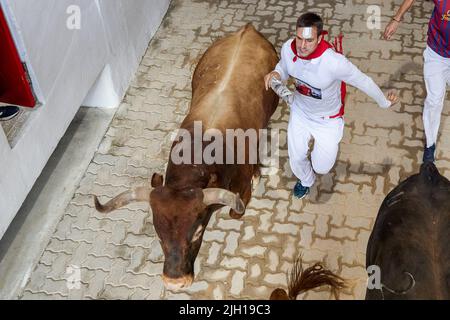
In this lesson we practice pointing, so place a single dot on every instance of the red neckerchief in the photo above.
(321, 48)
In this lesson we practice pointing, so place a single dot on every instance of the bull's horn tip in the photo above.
(98, 205)
(239, 204)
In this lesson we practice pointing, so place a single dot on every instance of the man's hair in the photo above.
(310, 19)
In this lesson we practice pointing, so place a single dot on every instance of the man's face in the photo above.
(307, 41)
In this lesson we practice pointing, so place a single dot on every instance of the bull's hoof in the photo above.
(235, 215)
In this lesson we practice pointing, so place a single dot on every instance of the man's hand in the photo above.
(391, 28)
(392, 97)
(269, 76)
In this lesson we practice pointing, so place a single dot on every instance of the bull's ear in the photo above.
(157, 180)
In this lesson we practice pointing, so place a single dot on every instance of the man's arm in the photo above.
(392, 27)
(349, 73)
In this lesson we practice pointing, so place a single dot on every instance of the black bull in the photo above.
(410, 242)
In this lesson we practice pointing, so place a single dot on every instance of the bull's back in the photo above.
(228, 84)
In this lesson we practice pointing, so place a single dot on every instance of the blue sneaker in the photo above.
(428, 153)
(8, 112)
(300, 191)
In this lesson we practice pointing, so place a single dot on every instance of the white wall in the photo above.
(90, 66)
(127, 40)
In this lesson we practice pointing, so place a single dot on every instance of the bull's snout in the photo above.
(179, 283)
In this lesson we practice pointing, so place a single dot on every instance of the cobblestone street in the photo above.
(119, 255)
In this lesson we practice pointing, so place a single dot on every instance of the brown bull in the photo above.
(227, 93)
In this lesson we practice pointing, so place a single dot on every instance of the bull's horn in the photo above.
(134, 195)
(225, 197)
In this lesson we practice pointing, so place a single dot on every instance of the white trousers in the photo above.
(327, 134)
(437, 76)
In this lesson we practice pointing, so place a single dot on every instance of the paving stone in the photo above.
(274, 260)
(30, 295)
(302, 218)
(249, 233)
(56, 287)
(215, 235)
(279, 194)
(38, 278)
(48, 258)
(98, 263)
(138, 257)
(282, 210)
(156, 252)
(255, 251)
(277, 279)
(118, 271)
(139, 294)
(237, 283)
(229, 224)
(321, 226)
(116, 293)
(306, 236)
(96, 284)
(197, 286)
(156, 289)
(290, 248)
(218, 275)
(255, 271)
(359, 222)
(341, 233)
(231, 243)
(214, 253)
(271, 239)
(265, 223)
(262, 204)
(285, 228)
(218, 293)
(233, 263)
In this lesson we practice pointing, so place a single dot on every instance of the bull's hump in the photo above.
(220, 76)
(232, 63)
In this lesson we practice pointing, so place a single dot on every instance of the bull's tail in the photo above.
(311, 278)
(135, 195)
(300, 281)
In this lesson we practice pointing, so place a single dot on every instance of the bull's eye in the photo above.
(197, 233)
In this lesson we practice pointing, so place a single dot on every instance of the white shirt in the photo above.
(318, 81)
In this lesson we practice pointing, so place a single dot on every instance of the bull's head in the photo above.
(180, 218)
